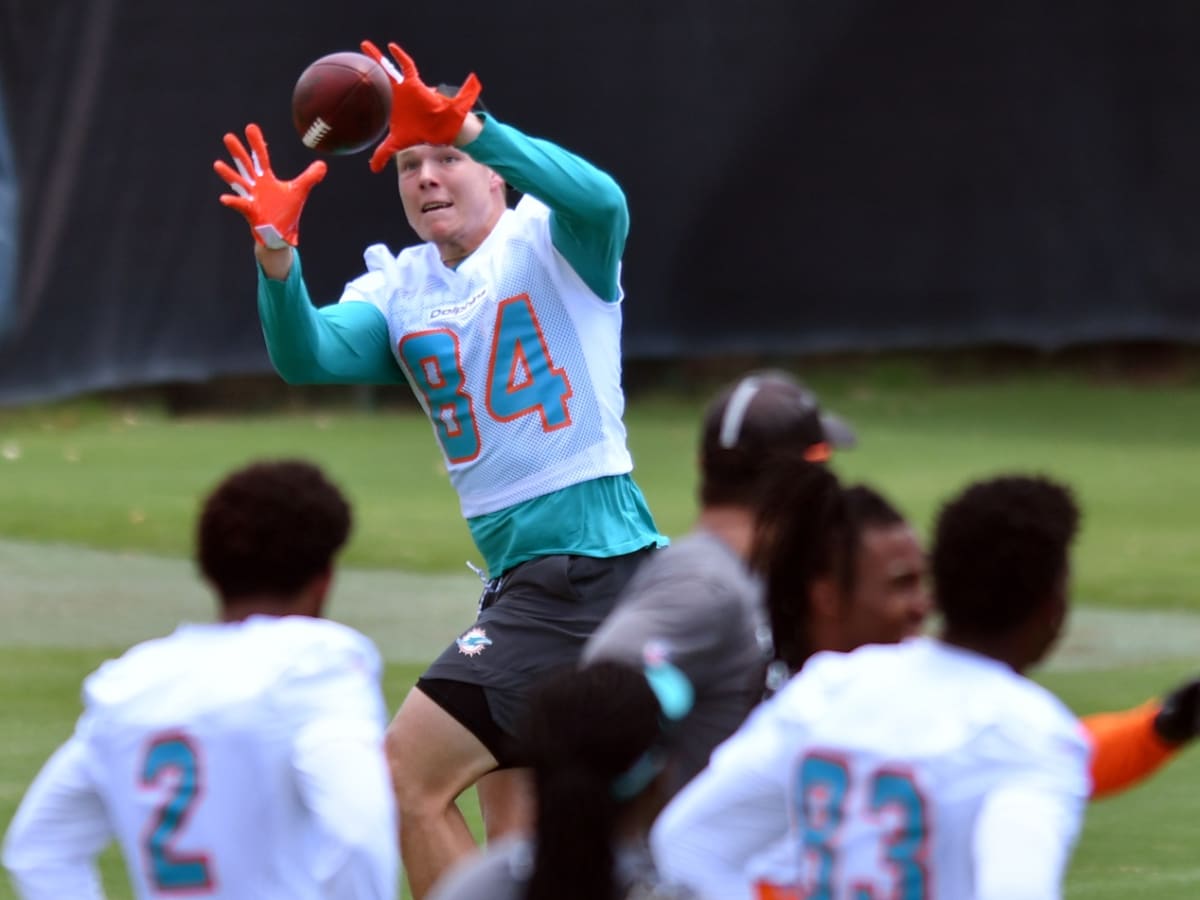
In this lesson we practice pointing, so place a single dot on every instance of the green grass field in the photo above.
(97, 501)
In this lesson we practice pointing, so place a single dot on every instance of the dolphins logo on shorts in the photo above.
(473, 642)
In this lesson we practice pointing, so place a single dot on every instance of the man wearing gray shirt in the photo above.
(699, 604)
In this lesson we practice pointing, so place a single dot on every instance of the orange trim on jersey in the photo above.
(765, 891)
(1125, 748)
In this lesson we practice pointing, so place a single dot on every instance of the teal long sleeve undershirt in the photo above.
(589, 218)
(346, 343)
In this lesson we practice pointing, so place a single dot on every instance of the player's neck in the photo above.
(454, 249)
(1001, 648)
(238, 609)
(731, 525)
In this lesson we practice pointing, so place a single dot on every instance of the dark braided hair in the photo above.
(584, 727)
(802, 534)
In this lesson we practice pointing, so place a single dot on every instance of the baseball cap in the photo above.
(770, 411)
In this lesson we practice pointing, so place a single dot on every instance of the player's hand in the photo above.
(420, 114)
(270, 205)
(1179, 719)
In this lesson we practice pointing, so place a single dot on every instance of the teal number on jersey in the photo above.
(822, 789)
(906, 844)
(522, 378)
(435, 363)
(821, 793)
(173, 756)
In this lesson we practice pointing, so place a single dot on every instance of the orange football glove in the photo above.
(271, 206)
(420, 114)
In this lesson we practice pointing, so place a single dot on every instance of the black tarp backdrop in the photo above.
(8, 226)
(802, 176)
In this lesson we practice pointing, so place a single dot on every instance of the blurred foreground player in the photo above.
(594, 743)
(506, 323)
(883, 597)
(240, 759)
(929, 768)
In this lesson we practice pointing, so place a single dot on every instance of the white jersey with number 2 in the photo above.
(916, 771)
(237, 760)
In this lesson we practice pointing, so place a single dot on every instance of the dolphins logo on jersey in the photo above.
(473, 642)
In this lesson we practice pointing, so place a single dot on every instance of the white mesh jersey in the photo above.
(514, 358)
(230, 761)
(915, 771)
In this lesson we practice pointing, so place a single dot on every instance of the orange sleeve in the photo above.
(766, 891)
(1125, 748)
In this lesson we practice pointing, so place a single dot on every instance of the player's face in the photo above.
(890, 600)
(448, 198)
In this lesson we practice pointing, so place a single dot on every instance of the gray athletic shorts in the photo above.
(532, 620)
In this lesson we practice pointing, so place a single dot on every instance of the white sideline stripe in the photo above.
(64, 596)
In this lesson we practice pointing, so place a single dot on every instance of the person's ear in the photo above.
(1056, 612)
(825, 598)
(316, 592)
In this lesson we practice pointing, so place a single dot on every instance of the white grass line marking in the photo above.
(56, 595)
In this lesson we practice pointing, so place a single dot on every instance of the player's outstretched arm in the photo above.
(1131, 745)
(343, 343)
(1178, 721)
(589, 219)
(51, 846)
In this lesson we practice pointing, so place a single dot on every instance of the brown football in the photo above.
(341, 102)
